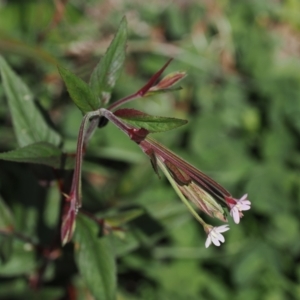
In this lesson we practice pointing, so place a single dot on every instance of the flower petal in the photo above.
(208, 241)
(215, 241)
(244, 207)
(243, 197)
(246, 202)
(222, 228)
(235, 213)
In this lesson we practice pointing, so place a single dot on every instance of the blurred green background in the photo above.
(242, 100)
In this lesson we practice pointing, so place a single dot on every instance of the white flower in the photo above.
(238, 207)
(214, 235)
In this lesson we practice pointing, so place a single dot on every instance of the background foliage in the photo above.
(242, 100)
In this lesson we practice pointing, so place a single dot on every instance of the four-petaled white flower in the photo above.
(214, 235)
(238, 207)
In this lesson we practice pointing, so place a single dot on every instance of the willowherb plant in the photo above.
(40, 144)
(189, 183)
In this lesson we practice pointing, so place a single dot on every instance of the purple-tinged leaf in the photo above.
(109, 68)
(152, 124)
(79, 91)
(141, 92)
(169, 81)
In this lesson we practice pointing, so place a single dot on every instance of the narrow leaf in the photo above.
(95, 260)
(152, 80)
(151, 123)
(6, 244)
(38, 153)
(109, 68)
(169, 81)
(6, 218)
(29, 125)
(124, 217)
(79, 91)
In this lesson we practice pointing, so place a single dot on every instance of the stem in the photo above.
(111, 117)
(76, 182)
(90, 131)
(179, 193)
(123, 100)
(142, 91)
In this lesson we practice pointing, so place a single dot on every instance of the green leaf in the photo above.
(7, 225)
(79, 91)
(109, 68)
(123, 217)
(29, 125)
(22, 261)
(38, 153)
(6, 218)
(151, 123)
(6, 244)
(95, 259)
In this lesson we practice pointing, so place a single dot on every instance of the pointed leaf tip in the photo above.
(28, 122)
(108, 70)
(169, 81)
(79, 91)
(153, 124)
(153, 79)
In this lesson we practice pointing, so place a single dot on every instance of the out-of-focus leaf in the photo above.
(22, 260)
(19, 289)
(79, 91)
(109, 68)
(7, 224)
(6, 218)
(95, 259)
(124, 217)
(6, 243)
(13, 288)
(38, 153)
(51, 213)
(140, 119)
(29, 125)
(162, 91)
